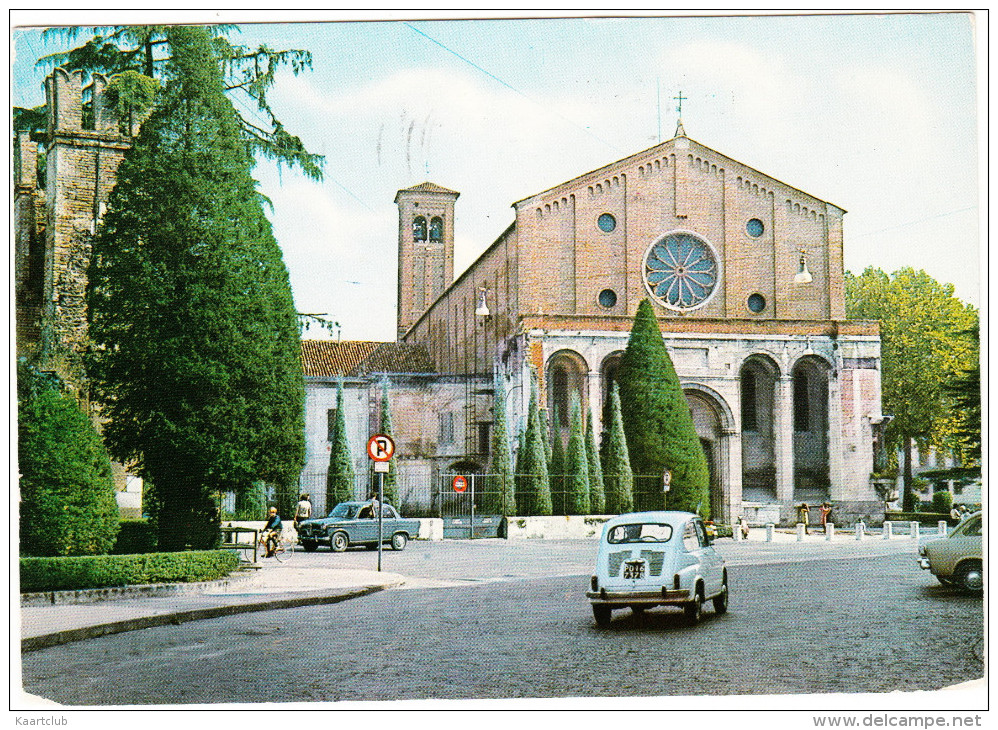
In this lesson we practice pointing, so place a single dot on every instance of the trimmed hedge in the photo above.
(136, 537)
(105, 571)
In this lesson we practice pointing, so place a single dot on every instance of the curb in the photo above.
(114, 593)
(42, 641)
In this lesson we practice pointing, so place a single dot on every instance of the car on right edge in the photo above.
(956, 559)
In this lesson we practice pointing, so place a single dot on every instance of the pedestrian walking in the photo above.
(743, 526)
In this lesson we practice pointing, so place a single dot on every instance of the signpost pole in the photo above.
(381, 511)
(471, 536)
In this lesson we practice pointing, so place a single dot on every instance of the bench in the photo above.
(230, 539)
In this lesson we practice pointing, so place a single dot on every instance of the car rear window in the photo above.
(639, 532)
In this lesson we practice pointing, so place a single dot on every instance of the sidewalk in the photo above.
(273, 585)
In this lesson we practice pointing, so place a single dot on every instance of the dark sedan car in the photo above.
(354, 523)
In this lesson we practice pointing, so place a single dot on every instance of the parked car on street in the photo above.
(956, 559)
(354, 523)
(648, 559)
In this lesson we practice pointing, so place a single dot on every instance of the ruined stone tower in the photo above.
(83, 146)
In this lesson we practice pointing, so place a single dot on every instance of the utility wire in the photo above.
(911, 223)
(512, 88)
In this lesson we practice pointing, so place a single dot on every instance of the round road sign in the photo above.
(460, 483)
(380, 447)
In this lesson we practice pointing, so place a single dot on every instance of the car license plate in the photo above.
(634, 569)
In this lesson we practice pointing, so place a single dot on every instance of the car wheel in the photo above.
(721, 600)
(399, 541)
(970, 576)
(338, 542)
(310, 545)
(694, 609)
(602, 615)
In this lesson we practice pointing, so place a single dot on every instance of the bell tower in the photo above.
(426, 249)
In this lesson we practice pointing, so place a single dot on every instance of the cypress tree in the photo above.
(520, 474)
(499, 499)
(340, 476)
(657, 422)
(536, 487)
(390, 487)
(545, 429)
(618, 479)
(556, 467)
(597, 497)
(67, 492)
(195, 359)
(576, 465)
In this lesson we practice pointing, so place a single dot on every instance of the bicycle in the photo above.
(287, 545)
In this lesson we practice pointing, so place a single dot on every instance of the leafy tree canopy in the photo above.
(927, 342)
(145, 50)
(67, 492)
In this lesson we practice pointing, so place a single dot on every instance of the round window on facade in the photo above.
(756, 303)
(607, 298)
(606, 222)
(755, 228)
(681, 271)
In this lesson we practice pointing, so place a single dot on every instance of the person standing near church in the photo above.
(303, 511)
(826, 511)
(804, 516)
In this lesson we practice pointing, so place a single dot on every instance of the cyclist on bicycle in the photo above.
(272, 532)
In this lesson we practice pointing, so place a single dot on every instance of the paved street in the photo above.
(490, 626)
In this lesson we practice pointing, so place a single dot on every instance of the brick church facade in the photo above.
(746, 275)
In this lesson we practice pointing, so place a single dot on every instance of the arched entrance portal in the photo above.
(757, 382)
(709, 423)
(567, 374)
(810, 398)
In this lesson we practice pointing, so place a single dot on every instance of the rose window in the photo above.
(681, 271)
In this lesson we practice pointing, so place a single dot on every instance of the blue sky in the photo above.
(875, 113)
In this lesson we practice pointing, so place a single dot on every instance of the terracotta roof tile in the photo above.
(428, 187)
(325, 358)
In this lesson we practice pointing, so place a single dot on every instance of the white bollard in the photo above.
(829, 530)
(800, 532)
(943, 528)
(860, 530)
(888, 529)
(914, 530)
(769, 532)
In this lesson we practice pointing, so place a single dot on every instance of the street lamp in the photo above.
(803, 276)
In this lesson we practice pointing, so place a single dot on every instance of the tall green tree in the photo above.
(251, 503)
(658, 423)
(391, 487)
(597, 495)
(195, 360)
(520, 474)
(576, 465)
(500, 499)
(67, 504)
(340, 478)
(965, 390)
(534, 485)
(128, 52)
(926, 343)
(556, 465)
(618, 479)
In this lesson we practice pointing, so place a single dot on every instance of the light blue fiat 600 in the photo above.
(648, 559)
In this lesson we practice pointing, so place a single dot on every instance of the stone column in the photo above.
(783, 434)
